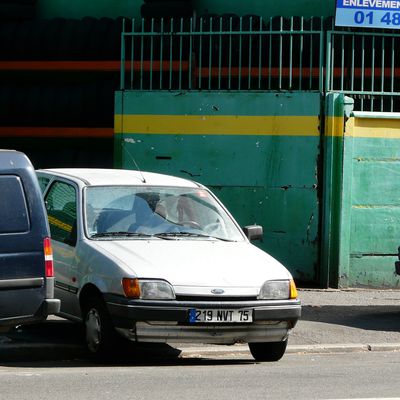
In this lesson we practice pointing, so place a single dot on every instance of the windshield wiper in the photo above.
(119, 234)
(187, 234)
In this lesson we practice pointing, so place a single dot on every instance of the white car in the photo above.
(157, 258)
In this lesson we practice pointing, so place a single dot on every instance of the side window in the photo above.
(14, 217)
(61, 211)
(43, 182)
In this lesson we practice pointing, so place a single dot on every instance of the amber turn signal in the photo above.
(293, 290)
(131, 288)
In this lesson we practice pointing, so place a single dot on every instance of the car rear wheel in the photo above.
(99, 331)
(268, 351)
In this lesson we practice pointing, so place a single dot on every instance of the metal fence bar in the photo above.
(122, 75)
(352, 62)
(190, 55)
(270, 55)
(151, 54)
(240, 53)
(260, 54)
(382, 69)
(249, 58)
(161, 53)
(373, 73)
(300, 54)
(220, 54)
(368, 70)
(180, 56)
(291, 54)
(171, 38)
(392, 76)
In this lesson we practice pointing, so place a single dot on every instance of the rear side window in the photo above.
(14, 217)
(61, 211)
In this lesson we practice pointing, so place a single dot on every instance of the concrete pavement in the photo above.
(338, 321)
(332, 321)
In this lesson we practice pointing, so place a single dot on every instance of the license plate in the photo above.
(220, 316)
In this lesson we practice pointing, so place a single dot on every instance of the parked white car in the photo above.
(159, 259)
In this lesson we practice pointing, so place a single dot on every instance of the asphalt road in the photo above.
(329, 376)
(332, 321)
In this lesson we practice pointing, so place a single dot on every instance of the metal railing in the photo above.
(223, 53)
(365, 66)
(250, 53)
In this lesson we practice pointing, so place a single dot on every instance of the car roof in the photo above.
(101, 176)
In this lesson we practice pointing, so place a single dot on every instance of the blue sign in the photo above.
(368, 13)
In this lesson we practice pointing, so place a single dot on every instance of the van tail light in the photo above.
(48, 258)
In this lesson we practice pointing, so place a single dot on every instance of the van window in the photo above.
(14, 217)
(61, 211)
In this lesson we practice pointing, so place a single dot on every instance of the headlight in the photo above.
(278, 290)
(147, 289)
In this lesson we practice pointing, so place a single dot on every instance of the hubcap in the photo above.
(93, 330)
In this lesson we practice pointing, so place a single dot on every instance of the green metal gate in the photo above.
(235, 103)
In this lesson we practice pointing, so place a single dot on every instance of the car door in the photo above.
(62, 204)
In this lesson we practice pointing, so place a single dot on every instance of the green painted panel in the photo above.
(371, 210)
(333, 232)
(376, 183)
(373, 272)
(375, 230)
(376, 148)
(220, 103)
(290, 222)
(277, 161)
(270, 178)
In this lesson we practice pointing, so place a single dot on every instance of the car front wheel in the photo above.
(99, 332)
(268, 351)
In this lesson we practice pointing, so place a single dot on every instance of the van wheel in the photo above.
(99, 331)
(268, 351)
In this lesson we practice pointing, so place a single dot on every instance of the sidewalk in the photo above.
(338, 321)
(332, 321)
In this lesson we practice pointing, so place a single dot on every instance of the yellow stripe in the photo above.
(59, 224)
(334, 126)
(217, 125)
(376, 128)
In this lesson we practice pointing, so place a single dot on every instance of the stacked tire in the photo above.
(61, 39)
(17, 9)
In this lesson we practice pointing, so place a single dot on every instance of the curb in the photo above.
(60, 350)
(291, 349)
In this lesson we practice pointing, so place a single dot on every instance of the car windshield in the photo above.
(160, 212)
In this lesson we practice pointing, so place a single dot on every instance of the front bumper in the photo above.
(168, 321)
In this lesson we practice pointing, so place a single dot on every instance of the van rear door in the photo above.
(24, 287)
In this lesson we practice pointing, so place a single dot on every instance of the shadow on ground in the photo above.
(373, 318)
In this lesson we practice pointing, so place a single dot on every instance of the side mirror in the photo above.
(253, 232)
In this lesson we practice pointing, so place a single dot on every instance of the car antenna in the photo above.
(133, 159)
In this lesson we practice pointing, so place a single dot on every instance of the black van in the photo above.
(26, 260)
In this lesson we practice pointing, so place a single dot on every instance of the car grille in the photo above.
(215, 298)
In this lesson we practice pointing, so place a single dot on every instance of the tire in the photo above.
(17, 12)
(99, 331)
(268, 351)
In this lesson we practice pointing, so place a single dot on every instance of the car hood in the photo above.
(196, 263)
